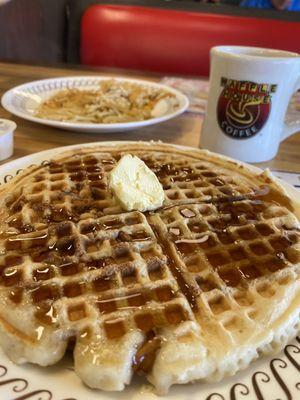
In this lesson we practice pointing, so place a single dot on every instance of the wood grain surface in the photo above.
(184, 130)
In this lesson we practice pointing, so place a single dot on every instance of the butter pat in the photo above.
(135, 186)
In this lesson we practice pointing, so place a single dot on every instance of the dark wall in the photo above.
(33, 30)
(48, 31)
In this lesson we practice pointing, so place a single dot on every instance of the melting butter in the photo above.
(135, 186)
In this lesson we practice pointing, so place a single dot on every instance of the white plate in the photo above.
(24, 99)
(269, 378)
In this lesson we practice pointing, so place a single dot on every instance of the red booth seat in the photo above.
(173, 41)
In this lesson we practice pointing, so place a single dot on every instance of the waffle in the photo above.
(195, 290)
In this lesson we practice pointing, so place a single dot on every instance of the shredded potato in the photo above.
(113, 102)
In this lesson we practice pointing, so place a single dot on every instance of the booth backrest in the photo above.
(173, 41)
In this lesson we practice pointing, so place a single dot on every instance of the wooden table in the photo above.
(185, 129)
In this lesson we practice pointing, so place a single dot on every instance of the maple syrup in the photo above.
(144, 358)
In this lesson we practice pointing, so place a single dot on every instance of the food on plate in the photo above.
(113, 101)
(194, 289)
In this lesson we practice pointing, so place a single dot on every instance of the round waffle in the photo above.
(194, 290)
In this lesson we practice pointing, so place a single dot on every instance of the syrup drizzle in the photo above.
(272, 195)
(188, 291)
(264, 193)
(144, 358)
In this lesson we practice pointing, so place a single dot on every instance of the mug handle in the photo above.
(293, 126)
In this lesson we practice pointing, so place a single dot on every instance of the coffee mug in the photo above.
(249, 93)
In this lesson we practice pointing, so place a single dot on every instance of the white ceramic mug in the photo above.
(250, 89)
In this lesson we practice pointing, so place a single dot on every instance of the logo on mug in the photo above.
(244, 107)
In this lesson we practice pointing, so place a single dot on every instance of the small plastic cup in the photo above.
(7, 129)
